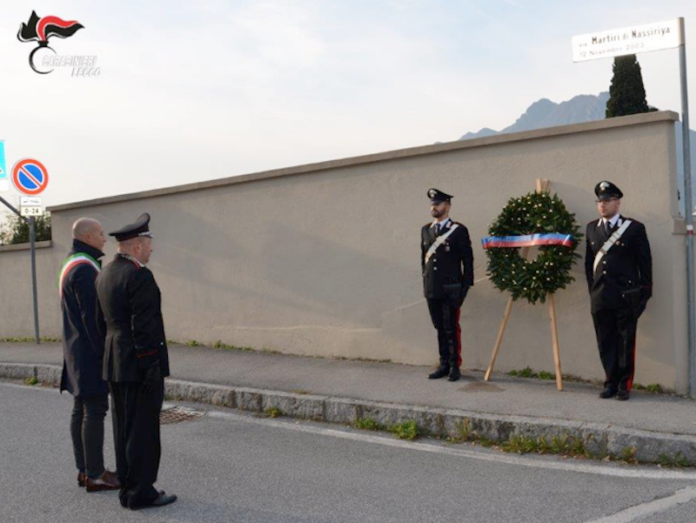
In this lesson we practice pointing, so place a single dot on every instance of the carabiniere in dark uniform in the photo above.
(448, 272)
(136, 362)
(620, 285)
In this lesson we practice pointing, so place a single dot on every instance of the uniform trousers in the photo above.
(137, 441)
(87, 431)
(616, 338)
(445, 319)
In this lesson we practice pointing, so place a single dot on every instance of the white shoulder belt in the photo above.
(610, 243)
(440, 240)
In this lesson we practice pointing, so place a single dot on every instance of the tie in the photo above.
(607, 228)
(437, 229)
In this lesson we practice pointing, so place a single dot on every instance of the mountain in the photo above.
(545, 113)
(579, 109)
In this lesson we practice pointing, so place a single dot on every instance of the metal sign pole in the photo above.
(688, 207)
(32, 238)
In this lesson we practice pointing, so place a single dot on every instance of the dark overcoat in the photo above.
(83, 335)
(131, 303)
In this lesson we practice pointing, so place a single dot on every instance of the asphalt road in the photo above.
(227, 467)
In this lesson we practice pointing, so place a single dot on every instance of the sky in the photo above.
(190, 91)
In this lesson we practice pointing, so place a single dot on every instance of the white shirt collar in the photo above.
(442, 223)
(612, 221)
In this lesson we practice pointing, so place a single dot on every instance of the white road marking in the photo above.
(648, 509)
(510, 459)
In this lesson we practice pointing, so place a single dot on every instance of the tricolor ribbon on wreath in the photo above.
(530, 240)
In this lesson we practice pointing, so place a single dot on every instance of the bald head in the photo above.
(89, 231)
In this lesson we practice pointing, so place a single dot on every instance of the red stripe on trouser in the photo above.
(459, 340)
(629, 384)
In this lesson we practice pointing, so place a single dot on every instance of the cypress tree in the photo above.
(627, 92)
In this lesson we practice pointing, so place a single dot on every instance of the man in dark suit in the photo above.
(83, 349)
(447, 262)
(618, 266)
(135, 363)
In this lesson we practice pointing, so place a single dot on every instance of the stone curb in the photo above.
(598, 439)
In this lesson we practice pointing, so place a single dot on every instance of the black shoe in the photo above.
(454, 374)
(160, 501)
(441, 372)
(607, 393)
(622, 395)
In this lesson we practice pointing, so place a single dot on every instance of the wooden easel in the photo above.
(541, 186)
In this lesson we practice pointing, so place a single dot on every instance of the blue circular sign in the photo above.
(30, 176)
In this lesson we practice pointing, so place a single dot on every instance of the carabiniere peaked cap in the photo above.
(605, 190)
(437, 196)
(141, 227)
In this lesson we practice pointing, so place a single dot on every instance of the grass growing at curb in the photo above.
(31, 381)
(273, 412)
(27, 339)
(407, 429)
(527, 372)
(224, 346)
(678, 461)
(368, 424)
(655, 388)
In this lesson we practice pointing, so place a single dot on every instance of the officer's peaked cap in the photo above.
(141, 227)
(605, 190)
(437, 196)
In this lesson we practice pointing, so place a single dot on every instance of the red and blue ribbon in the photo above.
(531, 240)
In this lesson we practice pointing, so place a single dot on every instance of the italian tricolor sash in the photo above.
(73, 261)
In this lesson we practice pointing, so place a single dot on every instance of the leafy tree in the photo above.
(627, 92)
(15, 230)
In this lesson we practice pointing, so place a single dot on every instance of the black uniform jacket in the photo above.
(83, 339)
(627, 266)
(131, 304)
(452, 262)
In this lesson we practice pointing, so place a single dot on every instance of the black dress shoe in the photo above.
(160, 501)
(441, 372)
(622, 395)
(607, 393)
(454, 374)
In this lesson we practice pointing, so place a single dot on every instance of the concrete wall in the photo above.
(324, 259)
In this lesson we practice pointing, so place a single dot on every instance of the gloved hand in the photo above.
(152, 378)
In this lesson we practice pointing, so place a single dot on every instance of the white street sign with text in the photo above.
(629, 40)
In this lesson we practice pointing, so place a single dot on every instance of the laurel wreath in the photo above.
(533, 280)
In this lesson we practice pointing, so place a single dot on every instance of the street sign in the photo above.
(29, 176)
(30, 206)
(4, 178)
(30, 201)
(629, 40)
(31, 211)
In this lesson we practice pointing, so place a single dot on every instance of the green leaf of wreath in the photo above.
(533, 280)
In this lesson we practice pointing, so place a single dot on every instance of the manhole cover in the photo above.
(179, 414)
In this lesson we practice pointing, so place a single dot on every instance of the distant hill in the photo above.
(579, 109)
(545, 113)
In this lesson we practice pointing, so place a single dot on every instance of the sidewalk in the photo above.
(515, 401)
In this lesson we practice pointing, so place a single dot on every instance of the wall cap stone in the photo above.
(598, 125)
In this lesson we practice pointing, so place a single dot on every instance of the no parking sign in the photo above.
(29, 177)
